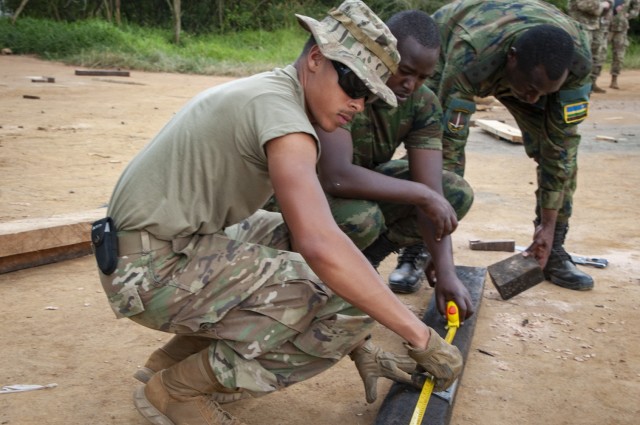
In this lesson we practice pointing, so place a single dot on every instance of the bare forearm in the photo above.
(362, 183)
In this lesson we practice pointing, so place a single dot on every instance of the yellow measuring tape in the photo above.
(453, 323)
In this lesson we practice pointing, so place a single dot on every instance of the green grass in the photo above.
(632, 55)
(98, 44)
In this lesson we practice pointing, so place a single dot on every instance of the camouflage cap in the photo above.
(355, 36)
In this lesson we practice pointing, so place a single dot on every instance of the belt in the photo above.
(135, 242)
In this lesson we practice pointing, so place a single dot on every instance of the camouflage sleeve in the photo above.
(456, 95)
(591, 7)
(551, 137)
(426, 128)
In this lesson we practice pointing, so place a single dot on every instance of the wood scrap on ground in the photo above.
(103, 72)
(607, 139)
(508, 245)
(501, 130)
(38, 241)
(43, 80)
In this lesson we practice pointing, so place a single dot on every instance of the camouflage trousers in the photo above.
(271, 321)
(619, 43)
(363, 221)
(598, 42)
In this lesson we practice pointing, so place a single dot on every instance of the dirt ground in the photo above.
(547, 356)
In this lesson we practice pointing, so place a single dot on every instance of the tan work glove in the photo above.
(373, 363)
(440, 359)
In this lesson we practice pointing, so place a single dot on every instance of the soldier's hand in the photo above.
(440, 359)
(450, 288)
(440, 212)
(541, 245)
(373, 363)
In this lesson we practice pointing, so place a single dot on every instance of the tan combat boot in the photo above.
(179, 395)
(614, 82)
(177, 349)
(596, 89)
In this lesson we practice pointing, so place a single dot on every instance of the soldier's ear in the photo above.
(315, 57)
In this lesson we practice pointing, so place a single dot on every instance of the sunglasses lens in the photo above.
(353, 86)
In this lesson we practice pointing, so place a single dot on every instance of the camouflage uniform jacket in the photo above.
(587, 12)
(620, 21)
(380, 129)
(476, 36)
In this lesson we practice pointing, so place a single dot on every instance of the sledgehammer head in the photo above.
(515, 274)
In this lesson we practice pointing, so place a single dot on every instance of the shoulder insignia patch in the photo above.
(458, 120)
(576, 112)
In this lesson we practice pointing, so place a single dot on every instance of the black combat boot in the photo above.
(405, 279)
(560, 269)
(379, 250)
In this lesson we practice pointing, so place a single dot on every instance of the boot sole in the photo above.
(148, 410)
(568, 285)
(144, 374)
(404, 289)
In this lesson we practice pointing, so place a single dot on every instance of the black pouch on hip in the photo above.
(104, 242)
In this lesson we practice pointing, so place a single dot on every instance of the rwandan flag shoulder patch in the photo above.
(576, 112)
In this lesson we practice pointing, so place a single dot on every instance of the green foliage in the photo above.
(54, 39)
(96, 43)
(560, 4)
(632, 55)
(239, 50)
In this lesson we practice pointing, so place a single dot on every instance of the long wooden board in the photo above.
(43, 240)
(502, 130)
(103, 72)
(397, 407)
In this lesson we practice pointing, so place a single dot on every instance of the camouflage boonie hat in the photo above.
(355, 36)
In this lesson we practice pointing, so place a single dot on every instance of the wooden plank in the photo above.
(502, 130)
(35, 238)
(508, 245)
(40, 258)
(515, 274)
(103, 72)
(397, 407)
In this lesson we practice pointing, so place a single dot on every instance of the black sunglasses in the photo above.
(350, 83)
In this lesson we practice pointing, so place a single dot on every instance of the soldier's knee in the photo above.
(458, 192)
(363, 229)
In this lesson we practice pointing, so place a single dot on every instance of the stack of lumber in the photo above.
(37, 241)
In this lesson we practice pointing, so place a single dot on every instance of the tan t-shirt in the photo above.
(207, 168)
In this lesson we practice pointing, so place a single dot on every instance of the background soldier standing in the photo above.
(594, 17)
(623, 11)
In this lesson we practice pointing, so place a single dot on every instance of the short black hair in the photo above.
(546, 45)
(311, 41)
(416, 24)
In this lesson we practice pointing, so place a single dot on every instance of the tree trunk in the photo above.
(15, 15)
(117, 13)
(221, 15)
(107, 8)
(177, 20)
